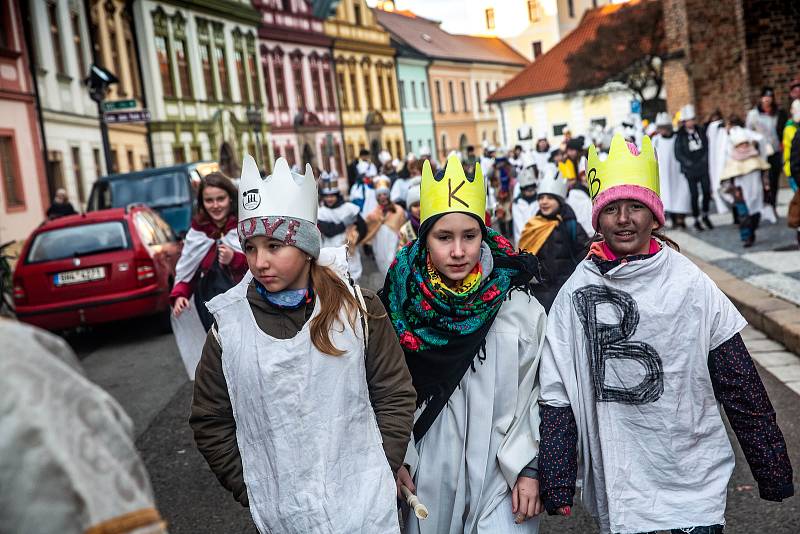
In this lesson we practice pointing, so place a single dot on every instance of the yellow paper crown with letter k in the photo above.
(452, 191)
(625, 165)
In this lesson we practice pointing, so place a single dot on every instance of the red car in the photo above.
(95, 268)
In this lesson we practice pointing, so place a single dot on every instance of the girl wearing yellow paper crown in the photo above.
(641, 346)
(302, 404)
(457, 298)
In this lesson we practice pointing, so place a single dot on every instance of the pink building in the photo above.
(24, 195)
(302, 111)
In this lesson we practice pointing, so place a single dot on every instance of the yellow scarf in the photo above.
(567, 169)
(536, 232)
(468, 284)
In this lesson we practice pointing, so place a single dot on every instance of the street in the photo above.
(141, 368)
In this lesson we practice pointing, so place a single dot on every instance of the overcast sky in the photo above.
(443, 10)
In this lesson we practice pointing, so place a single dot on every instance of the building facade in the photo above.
(62, 56)
(302, 107)
(24, 195)
(115, 50)
(462, 72)
(366, 77)
(412, 89)
(542, 98)
(201, 74)
(751, 47)
(531, 27)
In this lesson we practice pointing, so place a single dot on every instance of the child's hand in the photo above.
(525, 499)
(404, 479)
(181, 304)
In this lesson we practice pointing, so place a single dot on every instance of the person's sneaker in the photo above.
(749, 242)
(707, 222)
(698, 226)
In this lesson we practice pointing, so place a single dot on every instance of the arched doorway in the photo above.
(463, 142)
(227, 161)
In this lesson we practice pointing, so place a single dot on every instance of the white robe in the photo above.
(384, 245)
(718, 150)
(652, 447)
(346, 214)
(581, 204)
(466, 464)
(367, 193)
(190, 335)
(399, 190)
(521, 212)
(674, 186)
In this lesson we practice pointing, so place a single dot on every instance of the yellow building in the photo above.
(116, 49)
(541, 98)
(366, 76)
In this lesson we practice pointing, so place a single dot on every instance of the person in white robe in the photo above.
(641, 349)
(362, 193)
(340, 223)
(458, 299)
(675, 192)
(383, 225)
(743, 183)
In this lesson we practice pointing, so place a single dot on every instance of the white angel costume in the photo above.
(675, 192)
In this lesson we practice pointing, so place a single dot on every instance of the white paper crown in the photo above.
(281, 194)
(553, 184)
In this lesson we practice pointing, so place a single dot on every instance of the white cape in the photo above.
(718, 150)
(467, 463)
(190, 335)
(628, 351)
(674, 186)
(346, 214)
(581, 204)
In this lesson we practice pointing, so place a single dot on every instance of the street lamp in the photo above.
(97, 82)
(255, 120)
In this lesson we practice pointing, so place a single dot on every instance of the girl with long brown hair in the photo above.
(211, 262)
(302, 404)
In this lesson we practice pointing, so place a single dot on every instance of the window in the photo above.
(452, 90)
(131, 161)
(290, 155)
(76, 170)
(439, 105)
(402, 90)
(343, 88)
(222, 69)
(444, 144)
(252, 61)
(178, 155)
(316, 83)
(241, 75)
(184, 74)
(571, 8)
(490, 19)
(558, 129)
(537, 49)
(381, 87)
(464, 95)
(357, 14)
(488, 94)
(58, 53)
(534, 11)
(134, 67)
(9, 168)
(5, 29)
(113, 48)
(76, 40)
(414, 94)
(98, 166)
(390, 87)
(353, 89)
(297, 78)
(162, 53)
(328, 75)
(478, 95)
(114, 161)
(424, 90)
(367, 88)
(280, 80)
(208, 75)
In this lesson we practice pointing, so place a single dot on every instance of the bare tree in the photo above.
(628, 48)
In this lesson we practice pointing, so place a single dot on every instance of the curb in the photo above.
(777, 318)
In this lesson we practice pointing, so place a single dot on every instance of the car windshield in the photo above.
(78, 241)
(156, 191)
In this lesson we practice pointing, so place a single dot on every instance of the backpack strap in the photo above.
(364, 323)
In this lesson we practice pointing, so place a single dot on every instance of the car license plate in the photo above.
(80, 276)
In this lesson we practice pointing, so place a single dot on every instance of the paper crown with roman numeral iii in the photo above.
(281, 194)
(452, 192)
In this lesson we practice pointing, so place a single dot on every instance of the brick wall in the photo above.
(773, 46)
